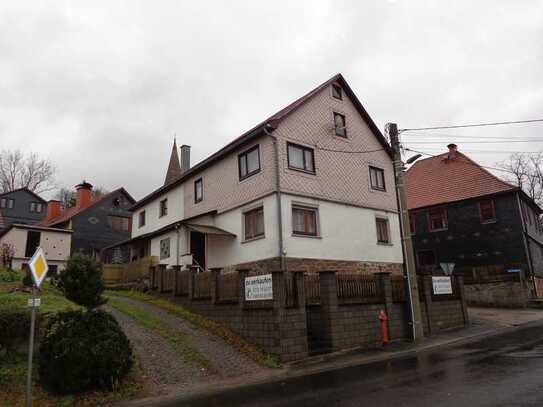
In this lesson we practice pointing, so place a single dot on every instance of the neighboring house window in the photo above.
(339, 124)
(165, 248)
(437, 219)
(304, 221)
(426, 258)
(32, 242)
(377, 179)
(337, 92)
(198, 190)
(249, 162)
(382, 230)
(412, 224)
(141, 219)
(36, 207)
(163, 208)
(301, 158)
(6, 203)
(487, 211)
(119, 223)
(254, 223)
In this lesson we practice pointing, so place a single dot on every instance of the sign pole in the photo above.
(28, 399)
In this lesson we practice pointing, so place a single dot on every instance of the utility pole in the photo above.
(405, 227)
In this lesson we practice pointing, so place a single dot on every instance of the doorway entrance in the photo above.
(198, 248)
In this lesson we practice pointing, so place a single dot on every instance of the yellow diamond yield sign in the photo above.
(38, 266)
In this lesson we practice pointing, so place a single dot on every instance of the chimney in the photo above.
(453, 148)
(54, 209)
(83, 195)
(185, 158)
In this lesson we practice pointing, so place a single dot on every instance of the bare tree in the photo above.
(526, 171)
(20, 171)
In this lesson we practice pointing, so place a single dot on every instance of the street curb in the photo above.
(282, 374)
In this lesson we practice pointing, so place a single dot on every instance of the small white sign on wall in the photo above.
(259, 288)
(442, 285)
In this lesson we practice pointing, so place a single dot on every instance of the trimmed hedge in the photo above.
(14, 326)
(83, 350)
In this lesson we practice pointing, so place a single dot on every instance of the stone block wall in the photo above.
(510, 294)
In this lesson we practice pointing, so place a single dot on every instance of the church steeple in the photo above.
(174, 168)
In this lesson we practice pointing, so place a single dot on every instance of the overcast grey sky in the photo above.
(101, 87)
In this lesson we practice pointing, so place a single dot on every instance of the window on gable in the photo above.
(487, 211)
(382, 230)
(340, 125)
(3, 202)
(304, 221)
(301, 158)
(119, 223)
(253, 223)
(337, 92)
(377, 179)
(437, 219)
(11, 203)
(36, 207)
(198, 190)
(141, 219)
(163, 208)
(7, 203)
(249, 162)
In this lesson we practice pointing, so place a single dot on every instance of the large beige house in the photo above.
(310, 188)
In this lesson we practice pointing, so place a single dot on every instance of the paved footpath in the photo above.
(165, 368)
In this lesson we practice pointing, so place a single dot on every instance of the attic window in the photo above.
(337, 92)
(437, 220)
(487, 211)
(339, 124)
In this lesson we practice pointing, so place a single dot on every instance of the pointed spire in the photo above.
(174, 168)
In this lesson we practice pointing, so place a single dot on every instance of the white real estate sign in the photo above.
(259, 288)
(442, 285)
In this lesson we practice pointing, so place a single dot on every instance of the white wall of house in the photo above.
(346, 233)
(55, 244)
(172, 235)
(153, 220)
(224, 251)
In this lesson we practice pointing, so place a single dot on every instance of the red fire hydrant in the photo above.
(384, 327)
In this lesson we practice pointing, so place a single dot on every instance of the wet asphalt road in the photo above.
(505, 370)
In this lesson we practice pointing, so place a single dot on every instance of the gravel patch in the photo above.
(157, 359)
(226, 360)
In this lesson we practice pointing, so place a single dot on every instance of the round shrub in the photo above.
(83, 350)
(82, 281)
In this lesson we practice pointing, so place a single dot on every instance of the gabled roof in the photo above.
(35, 195)
(33, 227)
(271, 124)
(69, 213)
(438, 180)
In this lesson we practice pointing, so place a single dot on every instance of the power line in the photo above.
(473, 125)
(465, 162)
(347, 151)
(480, 142)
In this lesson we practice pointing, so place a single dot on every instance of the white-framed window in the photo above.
(383, 230)
(305, 220)
(36, 207)
(377, 179)
(301, 158)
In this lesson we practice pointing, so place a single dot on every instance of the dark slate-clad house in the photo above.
(96, 222)
(491, 230)
(21, 206)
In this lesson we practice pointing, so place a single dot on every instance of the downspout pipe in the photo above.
(526, 245)
(268, 129)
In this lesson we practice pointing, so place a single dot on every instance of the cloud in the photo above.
(102, 87)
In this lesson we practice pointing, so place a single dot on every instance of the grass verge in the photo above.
(205, 324)
(178, 340)
(13, 369)
(52, 299)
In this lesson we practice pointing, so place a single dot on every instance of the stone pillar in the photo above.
(427, 282)
(462, 297)
(385, 285)
(215, 273)
(242, 274)
(161, 272)
(329, 309)
(279, 300)
(176, 271)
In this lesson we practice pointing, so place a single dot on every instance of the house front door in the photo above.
(198, 248)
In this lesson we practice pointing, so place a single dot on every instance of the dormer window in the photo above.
(337, 92)
(340, 125)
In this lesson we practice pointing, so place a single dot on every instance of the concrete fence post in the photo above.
(215, 274)
(385, 284)
(152, 277)
(329, 309)
(192, 273)
(462, 297)
(428, 288)
(176, 271)
(162, 272)
(242, 275)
